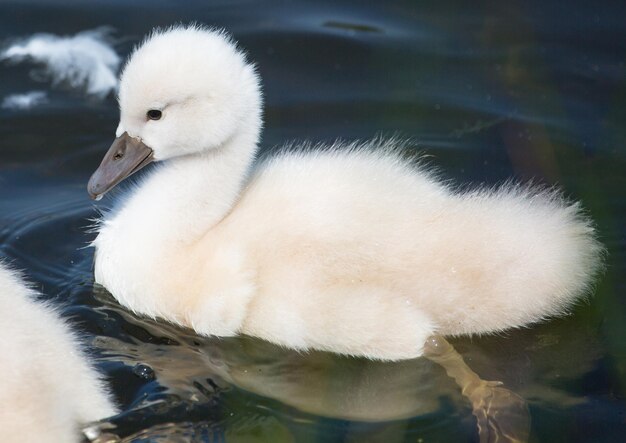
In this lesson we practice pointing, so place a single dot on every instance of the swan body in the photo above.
(348, 248)
(47, 387)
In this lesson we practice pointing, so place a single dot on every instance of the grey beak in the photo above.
(126, 156)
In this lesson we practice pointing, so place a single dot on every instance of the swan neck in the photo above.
(187, 196)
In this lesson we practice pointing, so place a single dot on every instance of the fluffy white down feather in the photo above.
(47, 387)
(348, 248)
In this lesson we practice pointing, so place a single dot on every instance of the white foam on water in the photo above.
(85, 61)
(24, 101)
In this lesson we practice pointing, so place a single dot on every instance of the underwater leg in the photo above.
(502, 415)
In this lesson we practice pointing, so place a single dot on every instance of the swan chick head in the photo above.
(184, 90)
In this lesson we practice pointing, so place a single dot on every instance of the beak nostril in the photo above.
(118, 155)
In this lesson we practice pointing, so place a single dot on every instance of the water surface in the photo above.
(489, 90)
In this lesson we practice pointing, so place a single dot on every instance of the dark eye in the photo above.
(154, 114)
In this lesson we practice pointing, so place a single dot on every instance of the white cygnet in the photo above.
(48, 389)
(344, 248)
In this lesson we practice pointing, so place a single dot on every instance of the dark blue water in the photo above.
(491, 90)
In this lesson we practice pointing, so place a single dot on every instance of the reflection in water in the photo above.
(318, 383)
(194, 369)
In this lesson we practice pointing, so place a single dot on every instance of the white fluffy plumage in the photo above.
(47, 387)
(350, 248)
